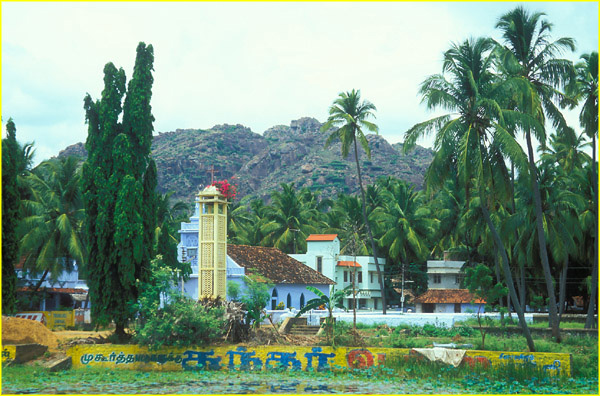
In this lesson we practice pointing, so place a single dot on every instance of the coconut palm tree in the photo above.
(351, 115)
(587, 90)
(345, 219)
(407, 222)
(289, 221)
(533, 72)
(472, 140)
(51, 231)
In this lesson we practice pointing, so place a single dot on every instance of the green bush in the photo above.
(181, 322)
(429, 330)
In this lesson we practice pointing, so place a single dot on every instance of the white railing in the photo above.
(189, 226)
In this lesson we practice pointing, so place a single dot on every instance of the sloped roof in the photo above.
(321, 237)
(448, 296)
(272, 263)
(348, 264)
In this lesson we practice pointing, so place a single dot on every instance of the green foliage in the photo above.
(480, 282)
(429, 330)
(538, 303)
(182, 322)
(233, 291)
(11, 203)
(255, 297)
(118, 187)
(51, 229)
(334, 300)
(159, 287)
(289, 220)
(168, 318)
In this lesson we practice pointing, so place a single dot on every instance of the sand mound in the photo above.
(25, 331)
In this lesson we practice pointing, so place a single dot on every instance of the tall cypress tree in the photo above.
(119, 180)
(11, 202)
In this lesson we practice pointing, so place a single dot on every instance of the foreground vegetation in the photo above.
(398, 377)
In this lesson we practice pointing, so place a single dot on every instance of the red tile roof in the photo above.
(321, 237)
(55, 290)
(275, 265)
(448, 296)
(348, 264)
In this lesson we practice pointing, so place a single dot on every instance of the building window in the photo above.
(345, 276)
(360, 277)
(457, 279)
(301, 300)
(437, 278)
(289, 301)
(319, 264)
(373, 274)
(192, 252)
(274, 299)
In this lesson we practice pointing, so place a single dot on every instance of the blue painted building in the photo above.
(290, 276)
(67, 290)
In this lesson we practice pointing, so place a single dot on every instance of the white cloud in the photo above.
(258, 64)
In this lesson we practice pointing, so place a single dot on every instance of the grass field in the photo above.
(428, 379)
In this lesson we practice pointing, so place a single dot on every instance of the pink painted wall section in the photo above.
(133, 357)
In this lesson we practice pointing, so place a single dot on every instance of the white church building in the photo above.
(323, 255)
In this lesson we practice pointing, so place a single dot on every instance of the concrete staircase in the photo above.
(304, 330)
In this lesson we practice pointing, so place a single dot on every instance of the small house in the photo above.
(444, 294)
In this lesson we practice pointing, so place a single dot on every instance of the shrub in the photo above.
(255, 298)
(233, 291)
(182, 322)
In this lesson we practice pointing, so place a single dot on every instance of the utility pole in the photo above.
(294, 231)
(402, 295)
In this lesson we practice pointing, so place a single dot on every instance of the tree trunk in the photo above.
(507, 274)
(562, 289)
(522, 286)
(521, 277)
(39, 284)
(120, 331)
(589, 321)
(37, 287)
(497, 270)
(366, 220)
(552, 313)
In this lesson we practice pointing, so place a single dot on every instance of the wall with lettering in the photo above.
(8, 352)
(284, 357)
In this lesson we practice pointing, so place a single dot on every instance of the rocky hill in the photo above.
(283, 154)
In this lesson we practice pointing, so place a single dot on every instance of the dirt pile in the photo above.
(25, 331)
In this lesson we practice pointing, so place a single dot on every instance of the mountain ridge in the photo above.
(258, 163)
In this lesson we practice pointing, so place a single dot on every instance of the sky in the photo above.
(255, 64)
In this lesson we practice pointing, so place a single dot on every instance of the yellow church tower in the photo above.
(212, 244)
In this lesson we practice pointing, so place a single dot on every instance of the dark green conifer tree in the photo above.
(11, 202)
(119, 180)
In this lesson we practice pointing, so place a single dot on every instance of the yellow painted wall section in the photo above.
(59, 319)
(8, 352)
(56, 319)
(133, 357)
